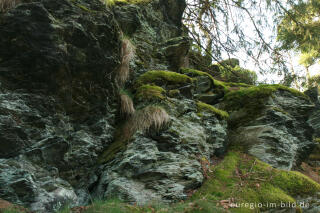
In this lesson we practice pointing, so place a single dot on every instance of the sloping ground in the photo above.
(245, 184)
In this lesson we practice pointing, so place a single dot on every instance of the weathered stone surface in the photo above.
(49, 141)
(156, 31)
(166, 165)
(281, 136)
(66, 48)
(209, 98)
(56, 60)
(32, 186)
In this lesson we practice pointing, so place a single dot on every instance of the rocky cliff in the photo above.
(96, 102)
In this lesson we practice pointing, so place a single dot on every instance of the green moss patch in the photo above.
(244, 179)
(150, 92)
(252, 100)
(174, 93)
(211, 109)
(161, 77)
(111, 3)
(219, 85)
(234, 84)
(241, 98)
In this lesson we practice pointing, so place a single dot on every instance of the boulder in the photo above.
(279, 135)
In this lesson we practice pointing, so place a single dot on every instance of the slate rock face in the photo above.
(30, 185)
(65, 48)
(156, 31)
(57, 99)
(56, 96)
(164, 166)
(280, 137)
(314, 119)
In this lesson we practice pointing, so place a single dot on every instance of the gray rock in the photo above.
(314, 121)
(281, 136)
(32, 186)
(56, 112)
(164, 166)
(156, 31)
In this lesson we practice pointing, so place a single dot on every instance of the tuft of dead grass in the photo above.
(126, 105)
(5, 5)
(146, 119)
(127, 54)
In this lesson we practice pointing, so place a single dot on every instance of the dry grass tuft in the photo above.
(127, 52)
(127, 108)
(147, 119)
(5, 5)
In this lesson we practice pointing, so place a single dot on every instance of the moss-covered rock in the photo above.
(150, 92)
(174, 93)
(218, 86)
(161, 77)
(255, 96)
(252, 100)
(166, 157)
(261, 119)
(111, 3)
(203, 107)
